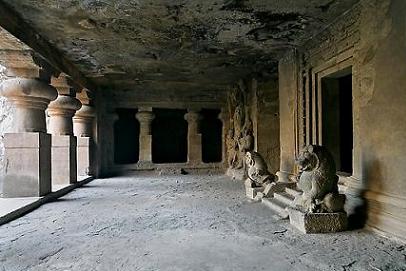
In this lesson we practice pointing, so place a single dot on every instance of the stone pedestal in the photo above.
(28, 164)
(251, 191)
(84, 156)
(64, 167)
(145, 118)
(194, 138)
(317, 222)
(64, 153)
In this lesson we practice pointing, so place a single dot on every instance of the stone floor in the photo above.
(178, 223)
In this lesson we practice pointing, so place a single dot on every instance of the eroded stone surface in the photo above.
(175, 44)
(178, 223)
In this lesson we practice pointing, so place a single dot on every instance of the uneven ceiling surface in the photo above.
(162, 44)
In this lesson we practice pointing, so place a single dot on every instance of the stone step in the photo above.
(293, 191)
(277, 206)
(284, 197)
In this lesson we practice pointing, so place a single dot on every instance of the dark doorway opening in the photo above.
(126, 137)
(169, 136)
(337, 118)
(211, 129)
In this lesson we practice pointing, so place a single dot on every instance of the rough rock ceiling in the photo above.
(161, 44)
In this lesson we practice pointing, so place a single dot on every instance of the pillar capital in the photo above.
(25, 63)
(64, 84)
(61, 112)
(222, 115)
(30, 98)
(193, 116)
(145, 116)
(83, 121)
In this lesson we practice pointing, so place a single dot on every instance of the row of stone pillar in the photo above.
(35, 160)
(145, 116)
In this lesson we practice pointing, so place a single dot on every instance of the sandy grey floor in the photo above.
(178, 223)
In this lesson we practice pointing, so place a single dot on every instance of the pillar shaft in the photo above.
(145, 118)
(194, 137)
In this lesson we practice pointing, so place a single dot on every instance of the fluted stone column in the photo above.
(194, 138)
(145, 117)
(83, 130)
(28, 148)
(64, 143)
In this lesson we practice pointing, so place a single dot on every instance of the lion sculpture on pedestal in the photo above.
(257, 171)
(318, 181)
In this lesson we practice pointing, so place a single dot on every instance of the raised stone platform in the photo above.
(317, 222)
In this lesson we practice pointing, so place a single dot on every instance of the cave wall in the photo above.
(258, 102)
(266, 124)
(370, 38)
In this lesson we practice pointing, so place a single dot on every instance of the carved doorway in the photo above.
(337, 118)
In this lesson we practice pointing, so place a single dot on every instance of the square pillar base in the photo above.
(194, 149)
(145, 155)
(84, 162)
(64, 165)
(27, 165)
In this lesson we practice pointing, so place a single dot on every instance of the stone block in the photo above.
(64, 159)
(195, 148)
(28, 165)
(317, 222)
(252, 192)
(272, 188)
(84, 154)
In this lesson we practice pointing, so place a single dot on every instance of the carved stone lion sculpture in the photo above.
(258, 173)
(318, 181)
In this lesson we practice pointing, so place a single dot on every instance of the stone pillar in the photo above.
(288, 86)
(83, 130)
(64, 143)
(145, 117)
(194, 137)
(28, 148)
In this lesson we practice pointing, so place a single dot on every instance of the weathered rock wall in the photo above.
(6, 124)
(267, 123)
(372, 36)
(6, 119)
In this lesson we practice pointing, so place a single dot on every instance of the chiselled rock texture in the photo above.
(6, 120)
(232, 39)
